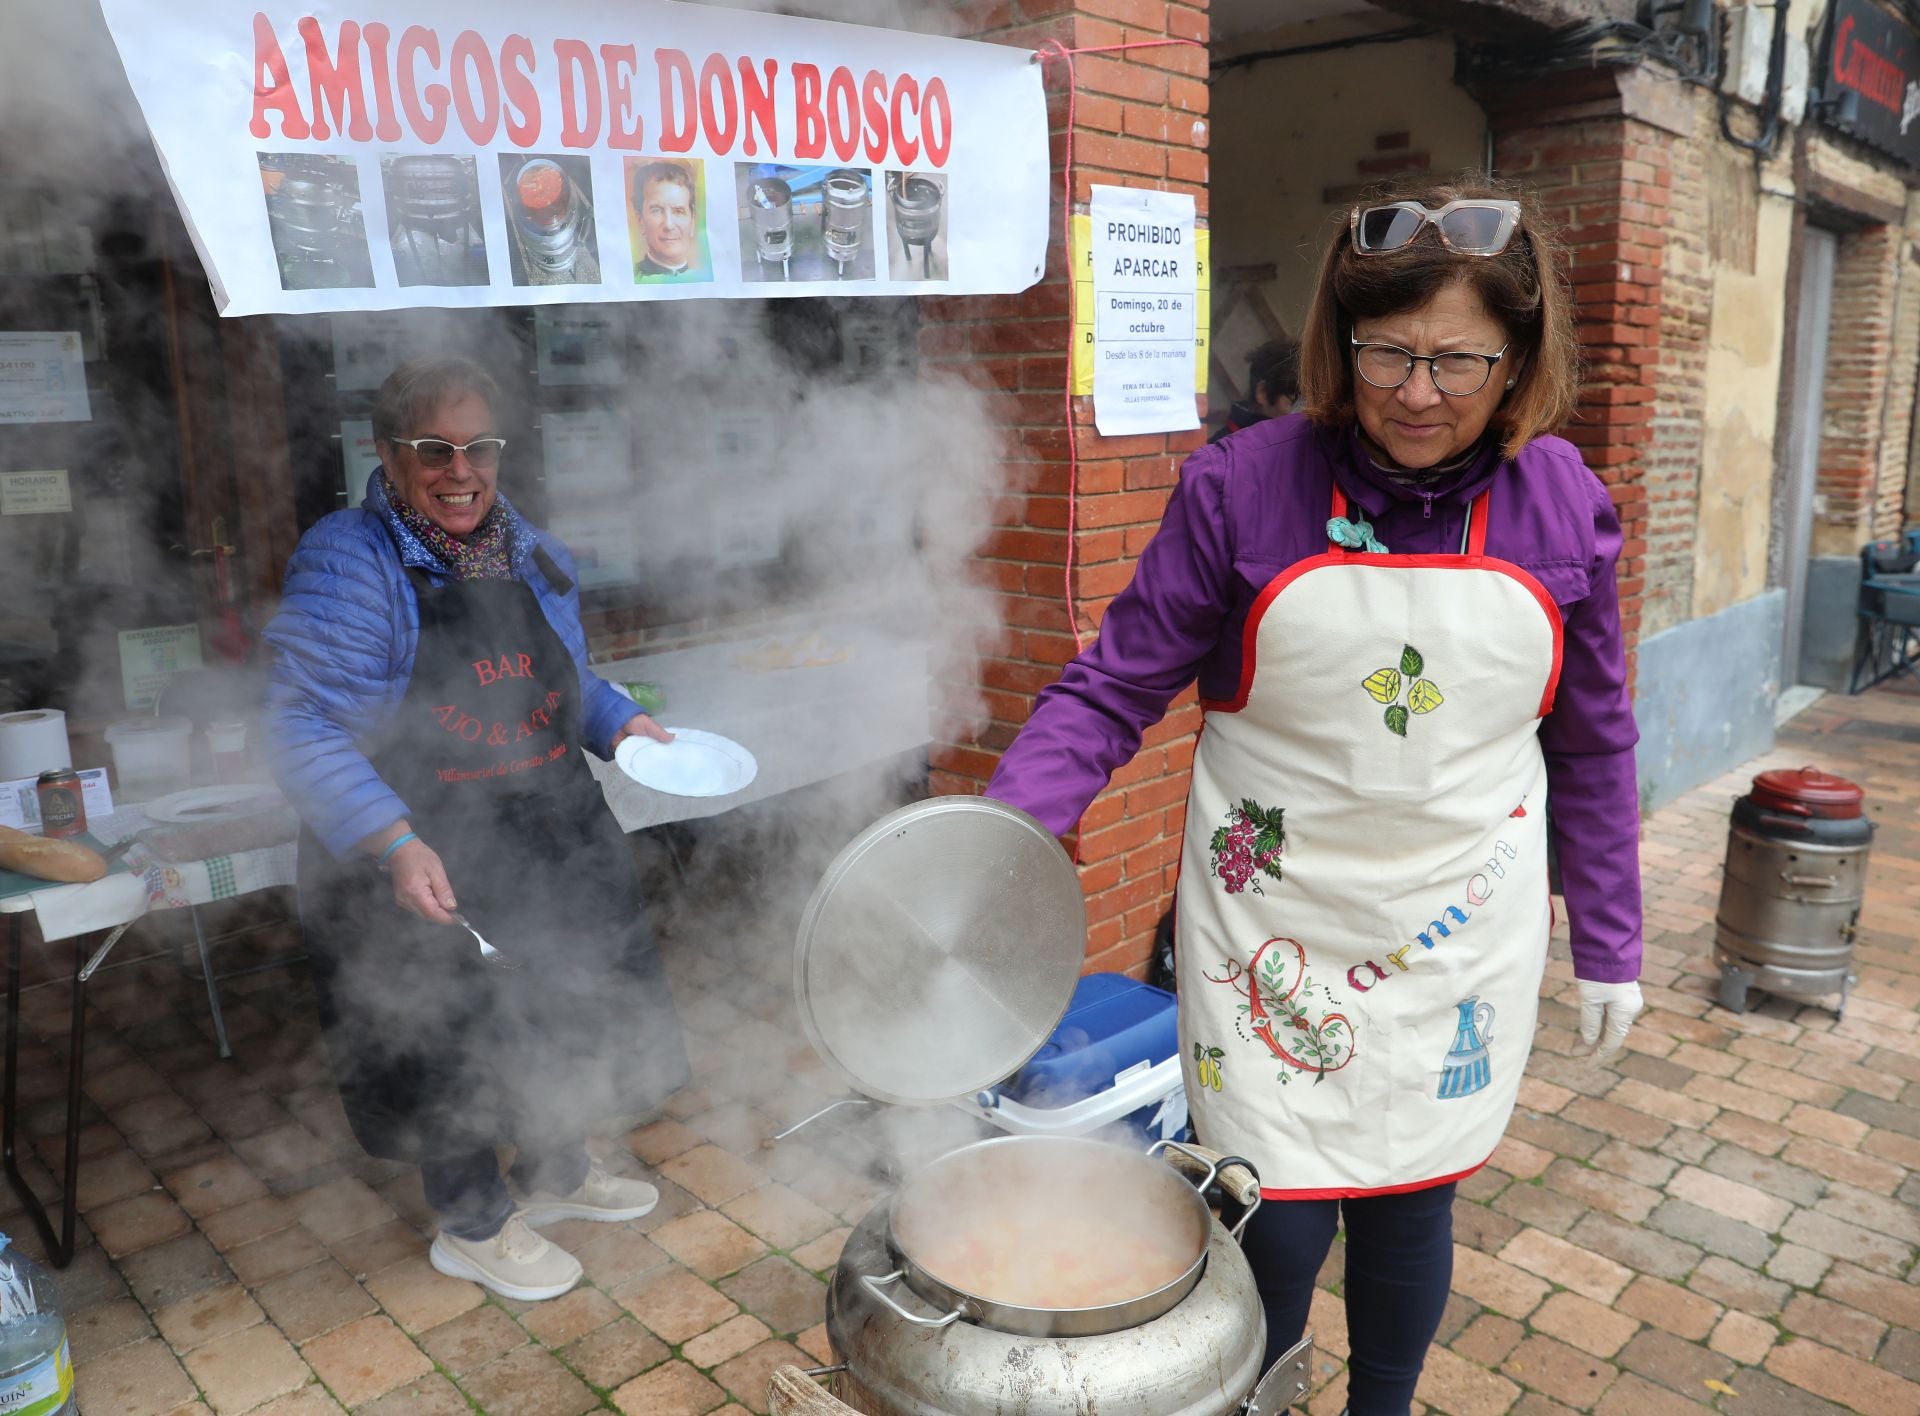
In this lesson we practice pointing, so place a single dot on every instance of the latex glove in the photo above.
(1607, 1010)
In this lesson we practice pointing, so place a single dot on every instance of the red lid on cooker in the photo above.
(1807, 791)
(543, 188)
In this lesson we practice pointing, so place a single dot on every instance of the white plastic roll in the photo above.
(33, 742)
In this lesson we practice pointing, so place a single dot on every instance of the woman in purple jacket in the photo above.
(1400, 608)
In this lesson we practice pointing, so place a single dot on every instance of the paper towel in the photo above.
(33, 742)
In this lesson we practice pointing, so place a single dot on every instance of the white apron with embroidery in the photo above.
(1363, 911)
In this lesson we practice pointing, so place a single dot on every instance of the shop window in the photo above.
(92, 543)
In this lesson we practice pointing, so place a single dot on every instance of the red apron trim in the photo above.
(1476, 523)
(1351, 1193)
(1475, 559)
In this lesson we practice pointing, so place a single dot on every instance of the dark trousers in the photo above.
(1399, 1271)
(470, 1194)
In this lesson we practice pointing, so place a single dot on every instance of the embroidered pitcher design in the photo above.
(1277, 988)
(1465, 1070)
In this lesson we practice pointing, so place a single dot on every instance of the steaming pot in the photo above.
(936, 956)
(1190, 1348)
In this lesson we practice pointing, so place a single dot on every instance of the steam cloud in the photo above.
(912, 452)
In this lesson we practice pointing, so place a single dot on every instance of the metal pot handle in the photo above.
(793, 1392)
(873, 1286)
(1236, 1175)
(1207, 1160)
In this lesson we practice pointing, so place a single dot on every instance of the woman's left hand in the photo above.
(640, 725)
(1615, 1005)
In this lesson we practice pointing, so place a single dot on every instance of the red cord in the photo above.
(1050, 49)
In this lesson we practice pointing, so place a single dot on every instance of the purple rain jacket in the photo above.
(1254, 503)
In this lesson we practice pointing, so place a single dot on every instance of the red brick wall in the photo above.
(1674, 454)
(1140, 122)
(1608, 182)
(1858, 393)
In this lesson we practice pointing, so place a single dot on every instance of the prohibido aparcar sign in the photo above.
(428, 152)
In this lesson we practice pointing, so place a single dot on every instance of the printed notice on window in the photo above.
(1145, 294)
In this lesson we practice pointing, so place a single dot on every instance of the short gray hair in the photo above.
(418, 386)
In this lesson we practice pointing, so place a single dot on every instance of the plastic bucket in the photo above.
(151, 756)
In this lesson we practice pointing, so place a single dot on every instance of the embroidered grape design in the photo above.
(1248, 846)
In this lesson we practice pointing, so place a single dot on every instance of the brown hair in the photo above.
(1522, 288)
(418, 386)
(653, 172)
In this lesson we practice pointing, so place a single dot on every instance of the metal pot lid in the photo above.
(940, 950)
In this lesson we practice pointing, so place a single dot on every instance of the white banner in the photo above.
(1145, 304)
(491, 152)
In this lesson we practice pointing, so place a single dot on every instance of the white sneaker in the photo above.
(515, 1263)
(602, 1196)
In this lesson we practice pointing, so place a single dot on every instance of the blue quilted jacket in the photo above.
(344, 641)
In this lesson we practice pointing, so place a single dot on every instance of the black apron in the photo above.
(436, 1053)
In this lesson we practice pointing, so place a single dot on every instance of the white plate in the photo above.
(694, 764)
(202, 805)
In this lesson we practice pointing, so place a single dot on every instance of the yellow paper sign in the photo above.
(1082, 255)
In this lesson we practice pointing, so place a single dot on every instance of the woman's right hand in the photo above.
(420, 883)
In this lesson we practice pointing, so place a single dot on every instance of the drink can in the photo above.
(63, 808)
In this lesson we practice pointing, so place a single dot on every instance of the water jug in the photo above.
(1465, 1070)
(36, 1373)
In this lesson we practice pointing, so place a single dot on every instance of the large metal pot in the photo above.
(547, 216)
(845, 199)
(1796, 872)
(770, 201)
(1030, 1194)
(936, 955)
(1191, 1348)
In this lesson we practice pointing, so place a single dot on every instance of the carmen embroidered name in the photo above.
(1479, 889)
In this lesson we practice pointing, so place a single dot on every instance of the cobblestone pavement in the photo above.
(1724, 1220)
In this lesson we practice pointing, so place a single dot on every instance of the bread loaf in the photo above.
(66, 861)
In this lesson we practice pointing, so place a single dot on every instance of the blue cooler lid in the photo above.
(1113, 1024)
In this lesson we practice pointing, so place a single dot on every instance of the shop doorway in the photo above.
(1819, 251)
(1313, 105)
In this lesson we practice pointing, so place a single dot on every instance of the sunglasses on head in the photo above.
(438, 452)
(1474, 226)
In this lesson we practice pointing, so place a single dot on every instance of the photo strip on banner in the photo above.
(428, 153)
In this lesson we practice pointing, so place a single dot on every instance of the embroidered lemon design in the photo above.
(1207, 1065)
(1423, 694)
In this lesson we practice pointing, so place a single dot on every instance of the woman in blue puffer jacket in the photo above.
(429, 710)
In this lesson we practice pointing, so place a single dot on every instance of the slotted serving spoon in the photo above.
(488, 953)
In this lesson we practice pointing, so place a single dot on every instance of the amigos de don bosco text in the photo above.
(368, 83)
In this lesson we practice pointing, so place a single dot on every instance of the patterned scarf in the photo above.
(484, 554)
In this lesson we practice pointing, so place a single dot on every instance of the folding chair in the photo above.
(1888, 612)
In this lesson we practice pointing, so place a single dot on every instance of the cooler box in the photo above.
(1114, 1058)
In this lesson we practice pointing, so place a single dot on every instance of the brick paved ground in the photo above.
(1724, 1220)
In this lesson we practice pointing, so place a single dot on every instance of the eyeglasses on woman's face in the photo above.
(1472, 226)
(436, 453)
(1459, 373)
